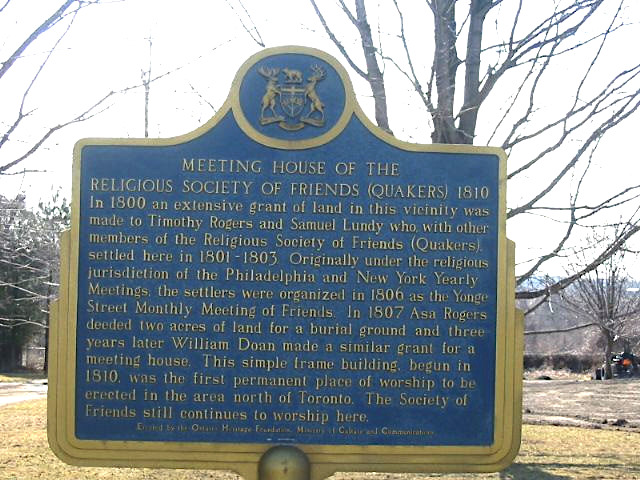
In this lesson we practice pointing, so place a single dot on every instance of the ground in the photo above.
(16, 390)
(604, 451)
(584, 403)
(560, 399)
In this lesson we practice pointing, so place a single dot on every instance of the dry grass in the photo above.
(547, 453)
(22, 377)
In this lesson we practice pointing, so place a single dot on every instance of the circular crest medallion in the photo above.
(292, 97)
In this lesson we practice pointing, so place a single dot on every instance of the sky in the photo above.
(196, 47)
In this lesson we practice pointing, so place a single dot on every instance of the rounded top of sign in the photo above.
(292, 97)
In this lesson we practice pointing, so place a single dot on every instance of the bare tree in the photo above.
(46, 37)
(29, 270)
(247, 23)
(503, 57)
(604, 296)
(371, 73)
(18, 142)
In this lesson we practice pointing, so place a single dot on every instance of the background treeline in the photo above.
(562, 361)
(29, 273)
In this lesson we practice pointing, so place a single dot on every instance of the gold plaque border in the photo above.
(244, 457)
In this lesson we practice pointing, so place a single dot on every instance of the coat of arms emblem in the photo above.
(289, 101)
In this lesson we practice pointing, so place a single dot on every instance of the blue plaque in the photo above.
(288, 274)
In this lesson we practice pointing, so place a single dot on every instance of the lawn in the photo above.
(547, 453)
(22, 377)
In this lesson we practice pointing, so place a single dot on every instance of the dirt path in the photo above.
(600, 404)
(12, 392)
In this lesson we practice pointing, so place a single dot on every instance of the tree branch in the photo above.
(255, 37)
(560, 285)
(560, 330)
(46, 25)
(336, 42)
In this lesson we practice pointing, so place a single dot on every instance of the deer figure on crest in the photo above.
(270, 95)
(311, 94)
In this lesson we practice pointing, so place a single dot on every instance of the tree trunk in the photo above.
(446, 64)
(608, 349)
(10, 359)
(472, 100)
(375, 77)
(45, 366)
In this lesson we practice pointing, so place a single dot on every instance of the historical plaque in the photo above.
(288, 274)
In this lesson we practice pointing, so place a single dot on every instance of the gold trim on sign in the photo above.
(244, 457)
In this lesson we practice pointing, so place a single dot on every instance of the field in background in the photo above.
(547, 453)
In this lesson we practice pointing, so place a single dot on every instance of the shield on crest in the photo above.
(292, 100)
